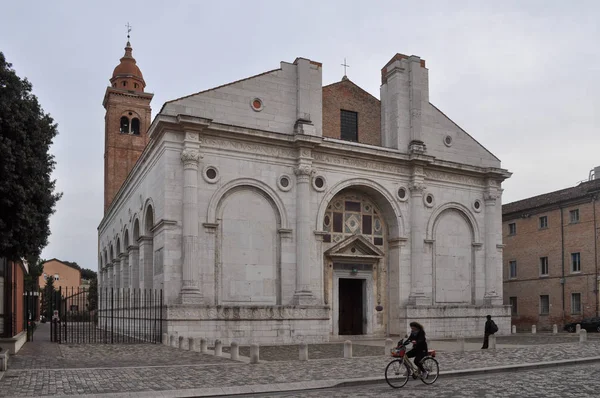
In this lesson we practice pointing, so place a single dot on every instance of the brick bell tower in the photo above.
(127, 119)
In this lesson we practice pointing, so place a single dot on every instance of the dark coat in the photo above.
(419, 337)
(488, 327)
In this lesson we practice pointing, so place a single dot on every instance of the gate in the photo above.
(108, 316)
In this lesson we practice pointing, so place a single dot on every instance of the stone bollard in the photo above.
(554, 329)
(173, 340)
(582, 336)
(3, 361)
(203, 346)
(533, 329)
(183, 343)
(235, 350)
(193, 344)
(347, 349)
(578, 328)
(389, 344)
(303, 351)
(165, 340)
(492, 342)
(514, 329)
(218, 348)
(254, 353)
(461, 344)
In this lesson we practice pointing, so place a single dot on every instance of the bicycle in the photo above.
(400, 369)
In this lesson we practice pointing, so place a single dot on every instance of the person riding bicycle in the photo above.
(419, 349)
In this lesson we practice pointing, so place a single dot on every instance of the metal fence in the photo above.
(108, 315)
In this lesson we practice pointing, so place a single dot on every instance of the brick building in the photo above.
(551, 256)
(12, 305)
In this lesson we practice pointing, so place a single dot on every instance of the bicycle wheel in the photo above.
(396, 373)
(432, 368)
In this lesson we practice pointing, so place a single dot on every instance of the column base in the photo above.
(418, 299)
(191, 296)
(304, 298)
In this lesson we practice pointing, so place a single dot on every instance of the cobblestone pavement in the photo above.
(568, 381)
(44, 368)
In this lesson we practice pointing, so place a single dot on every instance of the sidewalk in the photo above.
(160, 371)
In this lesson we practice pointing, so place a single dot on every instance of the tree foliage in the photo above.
(88, 274)
(27, 192)
(92, 295)
(50, 298)
(36, 268)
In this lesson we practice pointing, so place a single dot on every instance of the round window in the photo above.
(429, 199)
(211, 173)
(256, 104)
(477, 204)
(402, 193)
(448, 140)
(319, 182)
(284, 182)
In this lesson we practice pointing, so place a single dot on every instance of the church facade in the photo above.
(273, 209)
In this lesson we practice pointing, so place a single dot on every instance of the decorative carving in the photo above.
(191, 136)
(451, 177)
(305, 153)
(190, 156)
(417, 187)
(304, 170)
(250, 147)
(360, 163)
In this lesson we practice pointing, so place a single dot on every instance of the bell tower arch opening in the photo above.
(127, 119)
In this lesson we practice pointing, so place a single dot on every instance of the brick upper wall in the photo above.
(347, 96)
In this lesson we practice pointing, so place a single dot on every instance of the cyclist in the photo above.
(419, 349)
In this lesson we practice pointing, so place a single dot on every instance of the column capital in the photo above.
(304, 170)
(417, 188)
(190, 157)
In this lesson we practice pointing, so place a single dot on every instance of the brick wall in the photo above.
(123, 150)
(349, 97)
(530, 243)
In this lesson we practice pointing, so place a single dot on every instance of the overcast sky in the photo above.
(522, 79)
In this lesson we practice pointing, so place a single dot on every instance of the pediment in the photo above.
(356, 246)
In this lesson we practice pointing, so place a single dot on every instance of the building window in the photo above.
(513, 305)
(543, 222)
(574, 216)
(351, 214)
(576, 303)
(135, 126)
(543, 266)
(349, 126)
(124, 125)
(575, 262)
(56, 277)
(512, 229)
(512, 269)
(544, 304)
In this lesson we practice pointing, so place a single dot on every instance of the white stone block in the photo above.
(218, 348)
(492, 342)
(203, 346)
(389, 344)
(174, 340)
(577, 328)
(254, 353)
(514, 329)
(193, 344)
(582, 336)
(165, 339)
(554, 329)
(303, 354)
(533, 329)
(235, 350)
(347, 349)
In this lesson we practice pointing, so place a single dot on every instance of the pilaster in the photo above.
(417, 237)
(190, 157)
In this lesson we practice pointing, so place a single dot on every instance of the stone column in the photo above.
(134, 266)
(190, 156)
(117, 272)
(492, 296)
(417, 238)
(124, 270)
(146, 262)
(109, 275)
(303, 294)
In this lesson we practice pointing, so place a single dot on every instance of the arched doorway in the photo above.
(355, 239)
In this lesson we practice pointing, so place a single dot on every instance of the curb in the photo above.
(324, 384)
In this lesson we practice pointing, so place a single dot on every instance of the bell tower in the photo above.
(126, 123)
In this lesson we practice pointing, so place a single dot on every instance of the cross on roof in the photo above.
(345, 66)
(128, 30)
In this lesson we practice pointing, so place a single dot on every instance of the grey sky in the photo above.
(522, 77)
